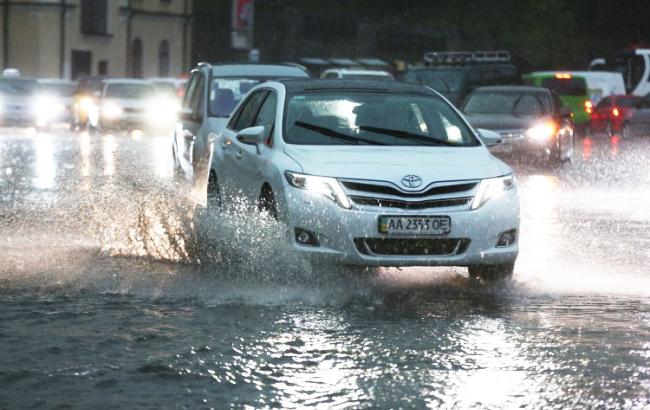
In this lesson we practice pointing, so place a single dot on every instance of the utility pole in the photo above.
(62, 41)
(5, 33)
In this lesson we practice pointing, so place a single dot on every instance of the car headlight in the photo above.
(492, 188)
(162, 109)
(327, 187)
(47, 106)
(542, 132)
(86, 104)
(111, 110)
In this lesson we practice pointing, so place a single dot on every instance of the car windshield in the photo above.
(226, 93)
(18, 87)
(358, 117)
(566, 86)
(508, 103)
(442, 80)
(63, 90)
(129, 91)
(164, 87)
(628, 102)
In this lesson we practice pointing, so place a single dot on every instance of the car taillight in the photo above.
(615, 112)
(589, 107)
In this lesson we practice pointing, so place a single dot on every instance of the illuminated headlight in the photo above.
(86, 104)
(111, 110)
(162, 110)
(542, 132)
(492, 188)
(47, 106)
(327, 187)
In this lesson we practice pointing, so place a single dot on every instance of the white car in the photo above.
(129, 103)
(372, 174)
(357, 74)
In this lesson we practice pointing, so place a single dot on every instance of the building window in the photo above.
(163, 59)
(94, 17)
(102, 68)
(81, 61)
(136, 58)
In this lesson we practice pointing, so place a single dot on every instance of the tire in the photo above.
(214, 193)
(267, 203)
(501, 273)
(609, 130)
(627, 131)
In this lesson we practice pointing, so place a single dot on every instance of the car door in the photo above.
(230, 172)
(190, 122)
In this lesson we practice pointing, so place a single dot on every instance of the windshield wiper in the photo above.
(335, 134)
(409, 136)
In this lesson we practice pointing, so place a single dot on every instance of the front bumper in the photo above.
(337, 229)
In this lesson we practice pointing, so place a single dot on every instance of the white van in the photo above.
(600, 84)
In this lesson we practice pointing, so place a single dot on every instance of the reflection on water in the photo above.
(45, 165)
(108, 153)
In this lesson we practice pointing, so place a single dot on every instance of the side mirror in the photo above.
(252, 135)
(186, 114)
(489, 138)
(565, 112)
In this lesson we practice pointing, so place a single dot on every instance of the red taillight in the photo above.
(615, 112)
(589, 107)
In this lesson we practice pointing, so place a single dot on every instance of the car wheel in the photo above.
(266, 203)
(214, 193)
(491, 273)
(627, 130)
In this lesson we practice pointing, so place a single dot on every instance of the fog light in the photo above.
(305, 237)
(507, 238)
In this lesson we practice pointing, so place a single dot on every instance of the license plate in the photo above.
(415, 225)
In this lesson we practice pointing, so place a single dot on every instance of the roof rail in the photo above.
(465, 57)
(204, 64)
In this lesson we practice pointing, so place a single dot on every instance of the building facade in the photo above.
(74, 38)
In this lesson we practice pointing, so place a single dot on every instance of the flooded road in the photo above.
(106, 302)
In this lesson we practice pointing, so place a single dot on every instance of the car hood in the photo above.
(501, 122)
(393, 163)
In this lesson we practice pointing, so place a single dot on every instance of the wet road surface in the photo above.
(104, 304)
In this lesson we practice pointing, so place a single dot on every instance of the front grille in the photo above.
(395, 203)
(387, 190)
(411, 246)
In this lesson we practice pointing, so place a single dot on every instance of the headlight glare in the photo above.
(492, 188)
(111, 110)
(327, 187)
(542, 131)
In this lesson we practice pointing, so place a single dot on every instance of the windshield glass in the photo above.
(566, 86)
(226, 93)
(508, 103)
(129, 91)
(18, 87)
(355, 117)
(442, 80)
(63, 90)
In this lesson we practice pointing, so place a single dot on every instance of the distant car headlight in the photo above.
(162, 109)
(327, 187)
(86, 104)
(46, 106)
(542, 132)
(111, 110)
(492, 188)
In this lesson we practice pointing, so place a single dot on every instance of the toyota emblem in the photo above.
(411, 181)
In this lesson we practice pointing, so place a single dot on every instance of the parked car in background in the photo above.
(85, 100)
(573, 92)
(18, 101)
(456, 74)
(169, 85)
(636, 121)
(532, 121)
(357, 74)
(610, 113)
(130, 104)
(213, 92)
(373, 174)
(57, 100)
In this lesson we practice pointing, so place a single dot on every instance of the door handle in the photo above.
(188, 135)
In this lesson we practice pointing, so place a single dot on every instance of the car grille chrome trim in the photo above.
(412, 246)
(383, 194)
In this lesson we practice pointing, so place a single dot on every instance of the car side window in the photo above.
(249, 110)
(190, 90)
(197, 101)
(266, 115)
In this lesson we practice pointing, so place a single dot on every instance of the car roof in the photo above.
(379, 73)
(258, 70)
(56, 81)
(306, 85)
(521, 88)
